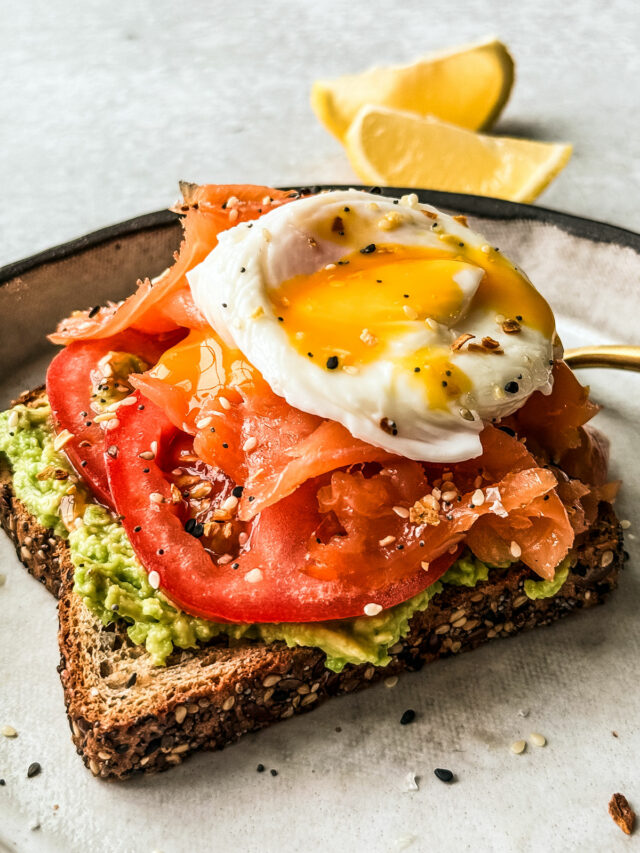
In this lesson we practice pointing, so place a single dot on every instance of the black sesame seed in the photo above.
(260, 768)
(161, 551)
(375, 190)
(189, 524)
(33, 770)
(512, 387)
(235, 565)
(243, 269)
(406, 295)
(145, 470)
(310, 354)
(137, 528)
(368, 249)
(94, 311)
(212, 429)
(141, 407)
(83, 414)
(444, 383)
(546, 497)
(281, 319)
(198, 530)
(83, 464)
(448, 372)
(342, 263)
(416, 370)
(2, 783)
(332, 362)
(251, 499)
(519, 318)
(399, 547)
(87, 423)
(443, 774)
(507, 429)
(237, 491)
(408, 717)
(132, 679)
(225, 445)
(273, 772)
(346, 209)
(224, 304)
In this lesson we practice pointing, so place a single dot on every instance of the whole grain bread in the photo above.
(127, 716)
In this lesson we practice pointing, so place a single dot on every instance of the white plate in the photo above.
(337, 790)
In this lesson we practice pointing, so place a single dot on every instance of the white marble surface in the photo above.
(104, 106)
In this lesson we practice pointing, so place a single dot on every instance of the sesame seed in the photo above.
(8, 731)
(368, 249)
(203, 423)
(229, 504)
(224, 403)
(154, 580)
(477, 498)
(449, 496)
(607, 559)
(13, 419)
(154, 447)
(425, 565)
(512, 387)
(156, 498)
(233, 215)
(391, 681)
(61, 439)
(401, 511)
(410, 312)
(372, 609)
(243, 538)
(260, 768)
(537, 739)
(625, 524)
(388, 540)
(137, 528)
(34, 769)
(254, 576)
(408, 717)
(516, 550)
(112, 424)
(443, 774)
(466, 414)
(518, 747)
(128, 401)
(147, 455)
(332, 362)
(224, 559)
(250, 444)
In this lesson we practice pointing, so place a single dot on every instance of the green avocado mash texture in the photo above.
(114, 585)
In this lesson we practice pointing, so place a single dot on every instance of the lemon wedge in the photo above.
(467, 86)
(389, 147)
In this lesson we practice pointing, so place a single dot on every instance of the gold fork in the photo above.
(621, 357)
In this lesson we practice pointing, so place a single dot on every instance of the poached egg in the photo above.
(386, 315)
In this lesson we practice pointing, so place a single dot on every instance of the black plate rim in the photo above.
(473, 205)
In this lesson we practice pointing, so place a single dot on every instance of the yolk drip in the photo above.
(201, 366)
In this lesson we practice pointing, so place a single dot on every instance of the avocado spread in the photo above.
(114, 585)
(545, 589)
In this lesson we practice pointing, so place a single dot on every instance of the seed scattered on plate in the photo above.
(408, 717)
(410, 782)
(518, 747)
(391, 681)
(33, 770)
(443, 774)
(537, 739)
(9, 731)
(625, 524)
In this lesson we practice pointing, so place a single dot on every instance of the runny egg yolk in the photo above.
(349, 314)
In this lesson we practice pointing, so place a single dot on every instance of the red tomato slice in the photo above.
(69, 393)
(206, 214)
(266, 581)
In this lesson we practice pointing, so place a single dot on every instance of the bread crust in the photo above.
(127, 716)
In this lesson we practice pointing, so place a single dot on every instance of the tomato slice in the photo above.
(267, 580)
(69, 385)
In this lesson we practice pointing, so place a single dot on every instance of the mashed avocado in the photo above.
(114, 585)
(545, 589)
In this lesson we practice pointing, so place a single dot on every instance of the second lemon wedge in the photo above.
(391, 147)
(467, 86)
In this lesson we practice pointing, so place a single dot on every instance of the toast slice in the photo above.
(127, 716)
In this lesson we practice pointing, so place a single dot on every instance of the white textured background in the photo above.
(105, 105)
